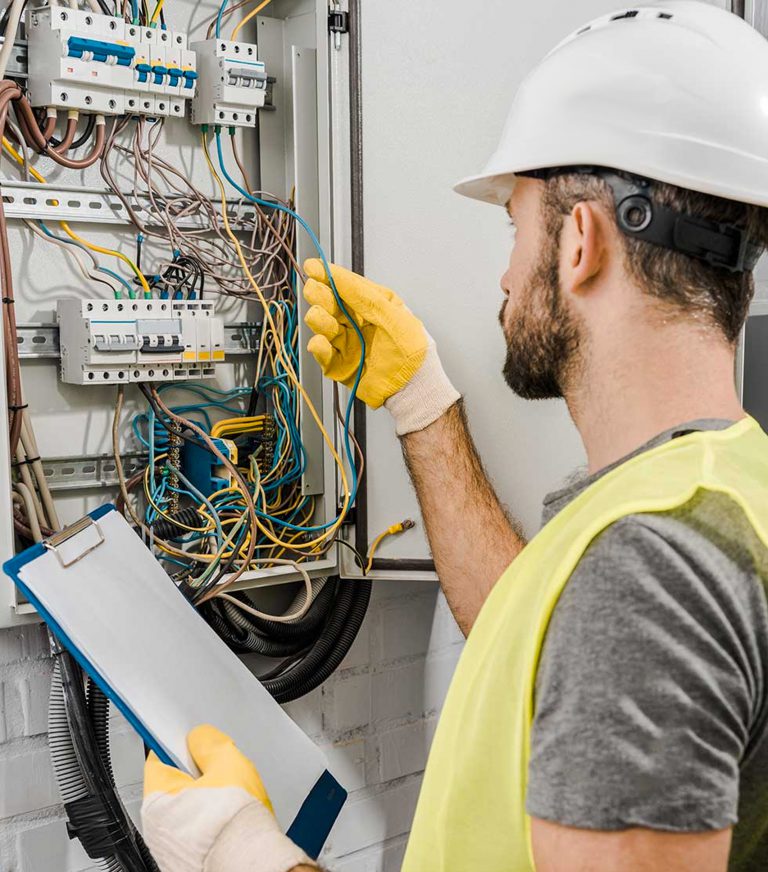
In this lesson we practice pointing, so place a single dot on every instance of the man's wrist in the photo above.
(426, 397)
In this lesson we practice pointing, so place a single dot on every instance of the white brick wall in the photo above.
(374, 719)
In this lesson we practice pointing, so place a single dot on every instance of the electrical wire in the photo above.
(252, 14)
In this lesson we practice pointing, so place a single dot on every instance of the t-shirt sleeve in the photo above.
(643, 695)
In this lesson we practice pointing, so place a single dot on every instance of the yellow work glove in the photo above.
(219, 822)
(402, 370)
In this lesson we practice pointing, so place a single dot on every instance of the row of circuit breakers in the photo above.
(121, 341)
(84, 61)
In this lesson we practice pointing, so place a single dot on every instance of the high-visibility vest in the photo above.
(471, 811)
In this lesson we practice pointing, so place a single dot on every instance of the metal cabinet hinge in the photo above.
(338, 22)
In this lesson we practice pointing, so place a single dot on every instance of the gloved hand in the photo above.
(220, 822)
(402, 369)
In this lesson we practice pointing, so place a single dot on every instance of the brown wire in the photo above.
(69, 136)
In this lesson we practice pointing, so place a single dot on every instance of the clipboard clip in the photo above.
(53, 543)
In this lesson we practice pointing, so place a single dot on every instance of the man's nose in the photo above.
(504, 284)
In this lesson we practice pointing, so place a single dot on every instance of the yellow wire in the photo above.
(139, 274)
(390, 531)
(248, 17)
(151, 501)
(68, 230)
(158, 7)
(237, 425)
(331, 531)
(19, 159)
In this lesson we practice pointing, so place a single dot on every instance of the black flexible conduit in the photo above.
(332, 645)
(98, 709)
(166, 529)
(79, 743)
(102, 822)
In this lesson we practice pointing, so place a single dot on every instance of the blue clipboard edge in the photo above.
(323, 803)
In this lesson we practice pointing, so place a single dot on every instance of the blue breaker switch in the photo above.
(174, 74)
(78, 47)
(159, 72)
(143, 71)
(189, 78)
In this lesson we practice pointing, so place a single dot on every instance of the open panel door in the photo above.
(437, 81)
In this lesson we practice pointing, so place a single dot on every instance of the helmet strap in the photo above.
(720, 244)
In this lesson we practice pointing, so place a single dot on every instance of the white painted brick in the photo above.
(445, 631)
(23, 643)
(350, 706)
(47, 848)
(360, 652)
(373, 819)
(437, 677)
(398, 693)
(346, 761)
(127, 751)
(393, 855)
(404, 750)
(25, 700)
(26, 781)
(308, 712)
(404, 627)
(360, 861)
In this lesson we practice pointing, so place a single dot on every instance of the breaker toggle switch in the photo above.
(96, 50)
(170, 344)
(142, 72)
(242, 77)
(189, 78)
(159, 72)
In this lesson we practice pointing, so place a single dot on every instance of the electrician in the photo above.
(610, 709)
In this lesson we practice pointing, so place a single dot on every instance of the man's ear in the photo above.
(584, 247)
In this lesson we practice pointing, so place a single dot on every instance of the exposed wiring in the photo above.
(400, 527)
(252, 14)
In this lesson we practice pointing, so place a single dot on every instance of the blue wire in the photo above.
(109, 272)
(119, 278)
(218, 17)
(339, 302)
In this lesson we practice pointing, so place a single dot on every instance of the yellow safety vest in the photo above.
(471, 812)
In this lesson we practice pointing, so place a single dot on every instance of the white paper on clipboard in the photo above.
(112, 599)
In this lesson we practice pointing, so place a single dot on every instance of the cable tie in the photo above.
(8, 301)
(17, 407)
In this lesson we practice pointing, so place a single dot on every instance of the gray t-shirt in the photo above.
(651, 705)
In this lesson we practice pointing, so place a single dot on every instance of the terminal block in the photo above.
(116, 341)
(232, 86)
(95, 63)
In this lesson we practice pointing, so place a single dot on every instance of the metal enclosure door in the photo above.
(437, 82)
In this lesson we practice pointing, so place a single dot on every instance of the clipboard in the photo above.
(113, 607)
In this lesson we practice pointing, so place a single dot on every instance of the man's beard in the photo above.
(543, 348)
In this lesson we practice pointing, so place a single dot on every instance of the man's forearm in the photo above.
(472, 538)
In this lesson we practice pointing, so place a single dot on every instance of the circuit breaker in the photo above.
(96, 63)
(117, 341)
(232, 85)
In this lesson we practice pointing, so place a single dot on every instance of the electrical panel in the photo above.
(232, 85)
(97, 63)
(114, 341)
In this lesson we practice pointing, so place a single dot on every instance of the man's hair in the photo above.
(676, 280)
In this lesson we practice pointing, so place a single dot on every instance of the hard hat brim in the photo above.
(495, 189)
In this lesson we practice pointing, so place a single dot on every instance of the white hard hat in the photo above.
(675, 91)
